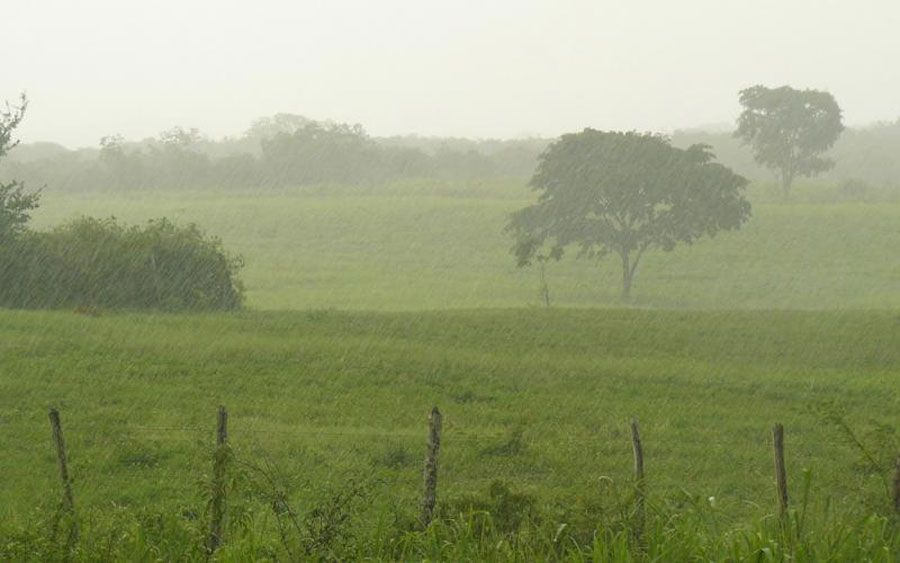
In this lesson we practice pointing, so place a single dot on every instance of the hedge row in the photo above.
(102, 264)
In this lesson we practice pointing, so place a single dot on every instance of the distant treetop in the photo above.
(789, 130)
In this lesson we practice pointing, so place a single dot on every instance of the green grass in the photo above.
(328, 396)
(368, 307)
(433, 249)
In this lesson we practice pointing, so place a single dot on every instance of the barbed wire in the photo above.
(449, 434)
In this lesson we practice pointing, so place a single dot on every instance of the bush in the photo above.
(100, 263)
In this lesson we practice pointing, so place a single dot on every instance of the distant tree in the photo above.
(405, 162)
(39, 151)
(239, 170)
(15, 203)
(175, 160)
(268, 127)
(625, 193)
(518, 158)
(111, 146)
(320, 153)
(180, 137)
(124, 169)
(454, 164)
(789, 130)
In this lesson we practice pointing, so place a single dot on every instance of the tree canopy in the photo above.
(321, 153)
(625, 193)
(789, 129)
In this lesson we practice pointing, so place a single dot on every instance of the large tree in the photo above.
(789, 130)
(320, 153)
(625, 193)
(15, 203)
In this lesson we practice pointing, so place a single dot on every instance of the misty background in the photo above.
(464, 69)
(229, 116)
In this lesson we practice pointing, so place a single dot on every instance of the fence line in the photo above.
(457, 437)
(222, 455)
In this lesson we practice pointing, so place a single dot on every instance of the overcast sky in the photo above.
(487, 68)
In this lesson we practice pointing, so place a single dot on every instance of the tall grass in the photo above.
(506, 526)
(337, 402)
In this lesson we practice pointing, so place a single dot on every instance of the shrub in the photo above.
(100, 263)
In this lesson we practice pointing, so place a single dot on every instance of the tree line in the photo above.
(282, 150)
(292, 150)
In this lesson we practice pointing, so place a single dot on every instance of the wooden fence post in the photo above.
(897, 486)
(217, 500)
(780, 473)
(638, 478)
(62, 461)
(431, 460)
(68, 501)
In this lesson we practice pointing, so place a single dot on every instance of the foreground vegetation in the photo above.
(327, 417)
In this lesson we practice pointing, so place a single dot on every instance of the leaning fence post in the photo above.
(897, 486)
(638, 477)
(68, 502)
(431, 459)
(780, 474)
(217, 500)
(61, 459)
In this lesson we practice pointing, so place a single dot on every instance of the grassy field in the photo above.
(539, 399)
(365, 309)
(441, 248)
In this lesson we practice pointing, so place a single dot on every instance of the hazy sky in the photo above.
(486, 68)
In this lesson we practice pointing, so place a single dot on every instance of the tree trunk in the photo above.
(787, 180)
(627, 275)
(545, 289)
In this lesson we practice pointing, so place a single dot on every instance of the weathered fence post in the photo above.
(62, 461)
(217, 500)
(897, 486)
(431, 460)
(68, 501)
(780, 473)
(638, 478)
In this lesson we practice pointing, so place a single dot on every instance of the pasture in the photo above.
(365, 309)
(538, 399)
(410, 248)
